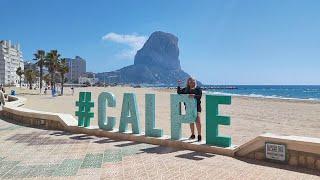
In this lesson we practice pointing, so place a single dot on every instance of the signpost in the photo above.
(275, 152)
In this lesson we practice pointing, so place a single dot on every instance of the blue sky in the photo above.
(220, 41)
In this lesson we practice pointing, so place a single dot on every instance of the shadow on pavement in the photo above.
(191, 155)
(34, 139)
(92, 139)
(160, 150)
(128, 144)
(61, 133)
(81, 137)
(106, 140)
(195, 155)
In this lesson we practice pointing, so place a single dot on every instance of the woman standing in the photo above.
(194, 91)
(2, 98)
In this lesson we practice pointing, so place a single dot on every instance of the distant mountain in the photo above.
(157, 62)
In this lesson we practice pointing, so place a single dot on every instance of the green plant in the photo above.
(62, 70)
(30, 76)
(40, 58)
(19, 72)
(51, 62)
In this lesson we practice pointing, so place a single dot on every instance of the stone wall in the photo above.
(294, 158)
(32, 122)
(300, 152)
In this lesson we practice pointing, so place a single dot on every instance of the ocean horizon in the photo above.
(289, 92)
(294, 92)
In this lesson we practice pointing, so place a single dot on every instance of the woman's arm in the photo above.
(180, 90)
(198, 93)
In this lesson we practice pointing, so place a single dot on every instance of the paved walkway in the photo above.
(33, 153)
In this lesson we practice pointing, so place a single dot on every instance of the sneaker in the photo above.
(192, 136)
(199, 138)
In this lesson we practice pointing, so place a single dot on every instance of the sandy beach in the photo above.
(250, 117)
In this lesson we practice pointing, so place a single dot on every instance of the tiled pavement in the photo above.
(33, 153)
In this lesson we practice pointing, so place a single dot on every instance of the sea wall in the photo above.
(300, 151)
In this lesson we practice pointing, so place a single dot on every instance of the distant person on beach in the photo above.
(72, 90)
(2, 98)
(194, 91)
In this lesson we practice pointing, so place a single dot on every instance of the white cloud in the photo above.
(135, 42)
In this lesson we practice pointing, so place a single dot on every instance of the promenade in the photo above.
(44, 154)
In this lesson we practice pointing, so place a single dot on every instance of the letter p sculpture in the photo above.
(176, 116)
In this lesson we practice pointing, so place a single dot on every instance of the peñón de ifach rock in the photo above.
(157, 62)
(161, 49)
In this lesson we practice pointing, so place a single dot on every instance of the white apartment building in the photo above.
(10, 60)
(77, 67)
(91, 81)
(88, 77)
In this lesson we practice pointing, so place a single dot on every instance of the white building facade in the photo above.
(10, 60)
(85, 80)
(88, 78)
(77, 67)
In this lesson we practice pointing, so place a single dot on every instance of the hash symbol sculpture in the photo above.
(84, 111)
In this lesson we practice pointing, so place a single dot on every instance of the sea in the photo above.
(295, 92)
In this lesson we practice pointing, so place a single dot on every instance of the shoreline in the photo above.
(171, 90)
(261, 97)
(266, 97)
(296, 100)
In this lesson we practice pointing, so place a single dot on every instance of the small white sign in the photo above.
(275, 151)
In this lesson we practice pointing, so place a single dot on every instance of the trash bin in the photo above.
(13, 92)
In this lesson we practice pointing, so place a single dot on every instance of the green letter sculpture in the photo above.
(150, 117)
(213, 120)
(103, 122)
(177, 118)
(129, 114)
(84, 112)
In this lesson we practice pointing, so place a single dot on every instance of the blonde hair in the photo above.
(191, 79)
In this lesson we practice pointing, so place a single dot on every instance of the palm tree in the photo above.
(40, 58)
(47, 79)
(19, 72)
(62, 69)
(30, 76)
(51, 62)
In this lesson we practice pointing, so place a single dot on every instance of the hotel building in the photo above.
(10, 60)
(77, 67)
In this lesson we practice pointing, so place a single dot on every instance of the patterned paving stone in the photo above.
(129, 149)
(32, 153)
(112, 170)
(92, 161)
(69, 167)
(112, 155)
(42, 170)
(89, 174)
(18, 172)
(6, 166)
